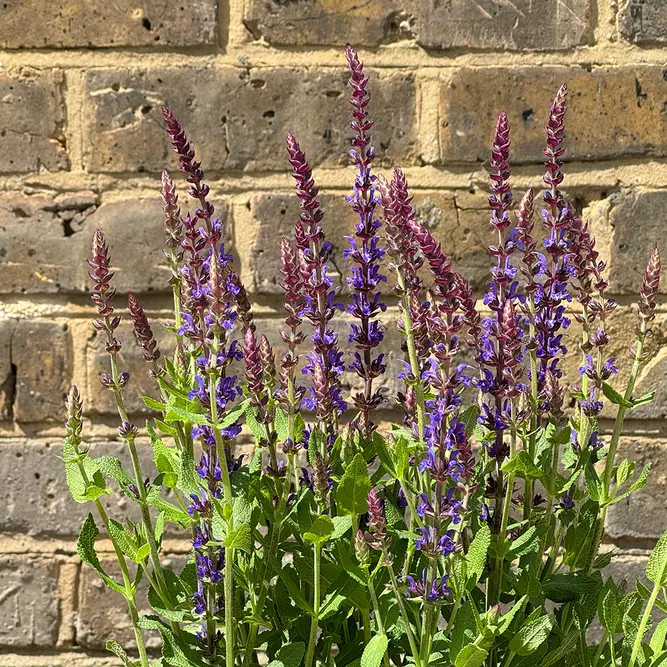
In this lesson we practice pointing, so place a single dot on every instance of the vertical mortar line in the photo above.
(74, 118)
(428, 83)
(236, 31)
(68, 587)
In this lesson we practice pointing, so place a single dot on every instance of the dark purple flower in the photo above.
(438, 591)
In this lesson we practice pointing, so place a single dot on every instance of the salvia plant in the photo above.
(469, 533)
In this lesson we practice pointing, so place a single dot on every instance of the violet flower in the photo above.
(365, 254)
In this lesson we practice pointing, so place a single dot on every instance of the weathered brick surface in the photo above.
(435, 25)
(42, 354)
(103, 612)
(237, 119)
(32, 114)
(623, 104)
(460, 221)
(321, 22)
(28, 604)
(522, 24)
(130, 359)
(644, 514)
(54, 260)
(628, 225)
(643, 21)
(86, 23)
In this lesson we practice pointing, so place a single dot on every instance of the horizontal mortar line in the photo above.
(455, 176)
(395, 56)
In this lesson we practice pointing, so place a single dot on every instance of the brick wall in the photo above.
(82, 144)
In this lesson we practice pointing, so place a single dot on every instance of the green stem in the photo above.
(528, 489)
(404, 612)
(312, 640)
(605, 479)
(642, 624)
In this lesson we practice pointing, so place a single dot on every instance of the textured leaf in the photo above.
(172, 651)
(656, 568)
(464, 632)
(524, 544)
(476, 556)
(124, 539)
(85, 547)
(569, 586)
(321, 530)
(374, 651)
(341, 525)
(471, 656)
(659, 635)
(353, 488)
(401, 457)
(240, 538)
(114, 647)
(289, 655)
(639, 483)
(608, 610)
(84, 478)
(522, 466)
(469, 418)
(110, 466)
(531, 636)
(614, 396)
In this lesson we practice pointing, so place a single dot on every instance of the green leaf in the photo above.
(623, 472)
(656, 568)
(253, 424)
(233, 415)
(83, 475)
(321, 530)
(592, 481)
(142, 553)
(115, 648)
(281, 423)
(569, 586)
(469, 418)
(614, 396)
(401, 457)
(85, 547)
(341, 525)
(522, 466)
(124, 539)
(152, 404)
(556, 656)
(352, 492)
(240, 538)
(172, 651)
(188, 480)
(471, 656)
(476, 556)
(374, 651)
(639, 483)
(464, 632)
(531, 636)
(524, 544)
(643, 400)
(659, 635)
(608, 610)
(112, 467)
(289, 655)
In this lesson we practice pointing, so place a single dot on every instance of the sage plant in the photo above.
(469, 533)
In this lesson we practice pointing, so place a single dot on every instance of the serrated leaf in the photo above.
(253, 424)
(401, 457)
(639, 483)
(471, 656)
(569, 586)
(281, 423)
(476, 556)
(659, 635)
(188, 480)
(172, 651)
(614, 396)
(124, 539)
(531, 636)
(320, 531)
(608, 610)
(289, 655)
(84, 478)
(152, 404)
(374, 651)
(85, 547)
(352, 491)
(522, 466)
(341, 525)
(524, 544)
(240, 538)
(110, 466)
(469, 419)
(114, 647)
(656, 568)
